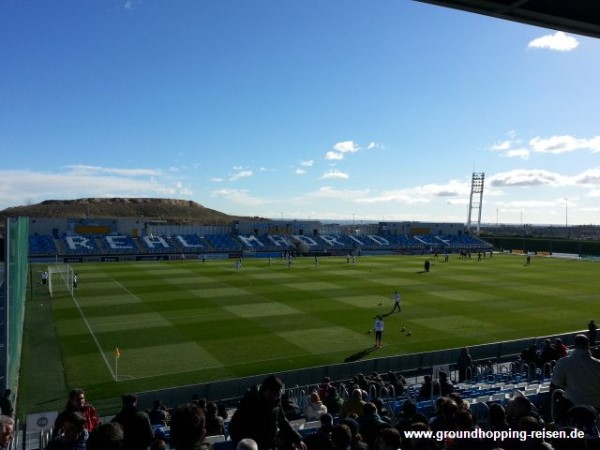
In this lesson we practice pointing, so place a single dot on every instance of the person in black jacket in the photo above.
(259, 417)
(137, 431)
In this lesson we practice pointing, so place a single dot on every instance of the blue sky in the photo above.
(337, 110)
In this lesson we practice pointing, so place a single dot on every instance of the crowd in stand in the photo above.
(264, 418)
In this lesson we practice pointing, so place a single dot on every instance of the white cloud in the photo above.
(131, 5)
(334, 155)
(401, 196)
(308, 163)
(502, 146)
(20, 186)
(522, 153)
(564, 144)
(241, 174)
(525, 204)
(346, 147)
(239, 197)
(217, 179)
(558, 41)
(341, 148)
(300, 171)
(334, 174)
(524, 177)
(93, 170)
(327, 192)
(588, 177)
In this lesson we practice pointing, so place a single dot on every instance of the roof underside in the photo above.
(573, 16)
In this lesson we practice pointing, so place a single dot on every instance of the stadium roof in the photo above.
(573, 16)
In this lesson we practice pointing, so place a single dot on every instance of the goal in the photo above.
(60, 279)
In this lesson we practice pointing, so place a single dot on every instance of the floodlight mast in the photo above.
(477, 182)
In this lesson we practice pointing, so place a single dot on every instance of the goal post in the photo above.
(60, 279)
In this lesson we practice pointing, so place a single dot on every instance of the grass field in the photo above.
(181, 323)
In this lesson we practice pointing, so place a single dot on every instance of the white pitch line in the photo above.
(87, 324)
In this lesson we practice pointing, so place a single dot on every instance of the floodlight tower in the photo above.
(476, 188)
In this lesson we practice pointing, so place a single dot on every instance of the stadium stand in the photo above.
(268, 245)
(42, 246)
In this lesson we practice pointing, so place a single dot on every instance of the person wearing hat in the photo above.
(579, 374)
(137, 431)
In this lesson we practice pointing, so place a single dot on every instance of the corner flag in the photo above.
(117, 352)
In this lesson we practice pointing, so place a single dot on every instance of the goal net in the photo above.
(60, 279)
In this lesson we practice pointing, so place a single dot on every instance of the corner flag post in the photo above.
(117, 356)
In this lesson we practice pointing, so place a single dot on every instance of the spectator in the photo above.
(108, 436)
(321, 439)
(7, 428)
(214, 423)
(74, 434)
(158, 444)
(6, 404)
(315, 408)
(465, 365)
(397, 381)
(159, 414)
(464, 422)
(560, 408)
(187, 427)
(443, 419)
(247, 444)
(259, 416)
(341, 437)
(388, 439)
(137, 431)
(518, 408)
(579, 374)
(561, 349)
(76, 403)
(333, 401)
(585, 418)
(324, 387)
(405, 417)
(548, 352)
(531, 355)
(445, 385)
(357, 442)
(429, 389)
(370, 423)
(222, 411)
(382, 410)
(290, 408)
(592, 332)
(354, 404)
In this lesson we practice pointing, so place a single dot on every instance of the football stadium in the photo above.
(174, 312)
(158, 330)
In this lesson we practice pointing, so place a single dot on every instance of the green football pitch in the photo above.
(186, 322)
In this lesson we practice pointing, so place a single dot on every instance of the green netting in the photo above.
(17, 250)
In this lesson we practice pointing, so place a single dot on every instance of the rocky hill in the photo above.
(174, 211)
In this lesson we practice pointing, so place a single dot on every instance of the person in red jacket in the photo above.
(76, 403)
